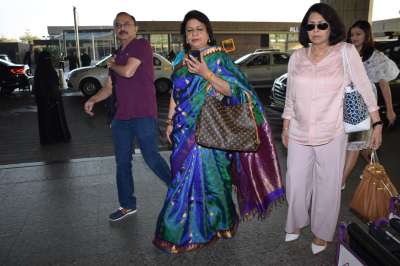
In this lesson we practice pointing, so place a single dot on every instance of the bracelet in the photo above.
(168, 121)
(210, 76)
(380, 122)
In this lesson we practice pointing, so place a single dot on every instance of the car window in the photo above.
(156, 61)
(242, 59)
(281, 59)
(103, 62)
(260, 60)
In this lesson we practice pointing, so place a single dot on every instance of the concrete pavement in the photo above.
(54, 208)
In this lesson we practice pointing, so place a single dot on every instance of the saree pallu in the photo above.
(199, 208)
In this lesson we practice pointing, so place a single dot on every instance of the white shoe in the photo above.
(317, 248)
(291, 237)
(343, 187)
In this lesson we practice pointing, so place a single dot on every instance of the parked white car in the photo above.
(263, 66)
(92, 78)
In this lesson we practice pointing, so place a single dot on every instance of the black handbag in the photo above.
(227, 127)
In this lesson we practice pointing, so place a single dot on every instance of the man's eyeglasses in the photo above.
(120, 26)
(320, 26)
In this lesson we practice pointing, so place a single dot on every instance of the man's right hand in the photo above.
(88, 107)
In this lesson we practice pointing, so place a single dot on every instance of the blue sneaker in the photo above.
(121, 213)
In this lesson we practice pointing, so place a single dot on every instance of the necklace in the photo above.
(316, 57)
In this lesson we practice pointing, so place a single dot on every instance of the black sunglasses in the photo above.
(320, 26)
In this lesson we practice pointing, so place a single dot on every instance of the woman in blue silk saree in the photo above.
(199, 208)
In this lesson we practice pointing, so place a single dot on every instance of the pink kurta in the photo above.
(314, 96)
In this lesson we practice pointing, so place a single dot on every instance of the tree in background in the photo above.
(6, 39)
(28, 37)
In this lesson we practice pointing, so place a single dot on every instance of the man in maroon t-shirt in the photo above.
(132, 75)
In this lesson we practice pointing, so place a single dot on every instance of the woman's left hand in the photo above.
(196, 67)
(376, 138)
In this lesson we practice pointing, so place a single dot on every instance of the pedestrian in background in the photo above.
(73, 61)
(53, 127)
(132, 75)
(85, 59)
(380, 69)
(313, 128)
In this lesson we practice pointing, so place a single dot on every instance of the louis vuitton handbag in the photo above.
(231, 127)
(372, 197)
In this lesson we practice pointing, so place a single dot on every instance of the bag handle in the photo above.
(346, 63)
(249, 99)
(375, 160)
(374, 157)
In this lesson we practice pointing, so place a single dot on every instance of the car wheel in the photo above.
(163, 85)
(89, 87)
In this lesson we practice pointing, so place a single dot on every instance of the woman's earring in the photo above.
(209, 41)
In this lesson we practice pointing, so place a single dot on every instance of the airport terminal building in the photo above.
(164, 36)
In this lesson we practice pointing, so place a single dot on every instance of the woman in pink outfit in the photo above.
(313, 124)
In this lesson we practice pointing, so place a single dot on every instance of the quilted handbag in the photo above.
(355, 112)
(227, 127)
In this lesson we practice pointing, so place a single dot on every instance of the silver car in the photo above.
(92, 78)
(262, 67)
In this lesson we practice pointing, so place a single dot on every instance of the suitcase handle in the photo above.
(342, 232)
(381, 222)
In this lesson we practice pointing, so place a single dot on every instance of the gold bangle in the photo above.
(210, 76)
(168, 121)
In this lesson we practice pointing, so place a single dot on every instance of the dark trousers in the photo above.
(124, 133)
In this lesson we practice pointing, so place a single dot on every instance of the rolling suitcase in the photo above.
(368, 248)
(386, 236)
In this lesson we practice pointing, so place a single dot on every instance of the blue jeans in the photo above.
(124, 133)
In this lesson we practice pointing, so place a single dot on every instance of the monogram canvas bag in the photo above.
(227, 127)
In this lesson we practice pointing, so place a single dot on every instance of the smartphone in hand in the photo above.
(195, 54)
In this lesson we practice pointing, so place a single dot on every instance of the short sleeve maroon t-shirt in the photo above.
(136, 96)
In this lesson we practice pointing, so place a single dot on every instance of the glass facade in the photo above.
(97, 44)
(284, 41)
(159, 42)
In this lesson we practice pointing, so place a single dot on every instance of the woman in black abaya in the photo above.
(53, 126)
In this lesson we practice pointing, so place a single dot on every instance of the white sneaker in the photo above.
(291, 237)
(317, 248)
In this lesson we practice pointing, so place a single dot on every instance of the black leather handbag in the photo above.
(227, 127)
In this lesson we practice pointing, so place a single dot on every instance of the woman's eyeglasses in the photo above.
(320, 26)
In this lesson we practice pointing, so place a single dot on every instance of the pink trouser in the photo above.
(314, 176)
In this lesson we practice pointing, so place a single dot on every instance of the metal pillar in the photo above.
(76, 28)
